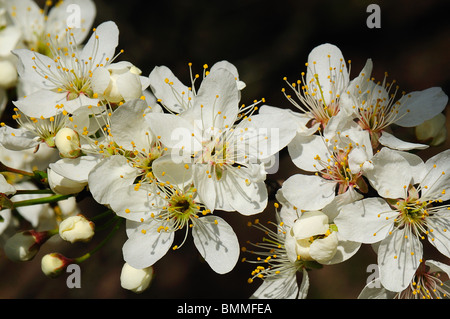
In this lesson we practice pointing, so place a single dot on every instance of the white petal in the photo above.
(308, 192)
(436, 266)
(365, 221)
(390, 173)
(282, 287)
(345, 250)
(41, 103)
(173, 94)
(391, 141)
(143, 250)
(101, 45)
(333, 208)
(439, 237)
(9, 37)
(374, 290)
(178, 172)
(76, 169)
(217, 100)
(268, 133)
(310, 223)
(129, 125)
(304, 149)
(399, 259)
(320, 60)
(133, 204)
(437, 179)
(100, 80)
(110, 174)
(351, 96)
(245, 196)
(26, 71)
(323, 250)
(175, 132)
(5, 187)
(417, 107)
(17, 139)
(217, 243)
(130, 86)
(60, 16)
(205, 186)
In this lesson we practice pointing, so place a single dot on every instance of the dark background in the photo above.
(265, 41)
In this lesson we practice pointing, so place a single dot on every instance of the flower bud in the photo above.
(68, 143)
(433, 131)
(23, 246)
(310, 238)
(53, 264)
(76, 228)
(136, 280)
(62, 185)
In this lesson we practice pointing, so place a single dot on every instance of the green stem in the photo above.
(101, 215)
(4, 168)
(102, 243)
(43, 200)
(33, 191)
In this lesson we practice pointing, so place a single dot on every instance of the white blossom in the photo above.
(407, 211)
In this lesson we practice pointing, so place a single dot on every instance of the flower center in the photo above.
(312, 97)
(69, 73)
(45, 128)
(336, 168)
(378, 108)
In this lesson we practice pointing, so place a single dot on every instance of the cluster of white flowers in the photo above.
(166, 157)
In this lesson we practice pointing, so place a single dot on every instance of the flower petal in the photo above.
(128, 126)
(217, 100)
(59, 17)
(365, 221)
(76, 169)
(393, 142)
(387, 164)
(217, 243)
(304, 150)
(142, 250)
(101, 45)
(327, 62)
(283, 287)
(437, 177)
(174, 95)
(399, 259)
(417, 107)
(308, 192)
(108, 175)
(17, 139)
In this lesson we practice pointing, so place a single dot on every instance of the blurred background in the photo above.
(266, 41)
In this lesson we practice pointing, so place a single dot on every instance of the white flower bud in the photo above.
(62, 185)
(311, 239)
(23, 246)
(67, 142)
(433, 131)
(136, 280)
(76, 228)
(53, 264)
